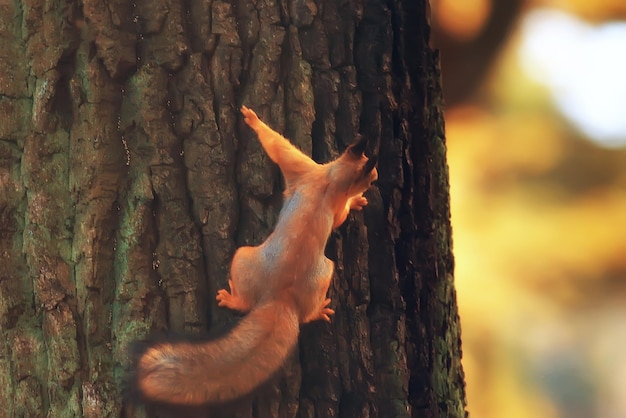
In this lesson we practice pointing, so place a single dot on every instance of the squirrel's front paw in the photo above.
(358, 202)
(227, 300)
(249, 116)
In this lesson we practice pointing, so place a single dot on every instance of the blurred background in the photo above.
(536, 129)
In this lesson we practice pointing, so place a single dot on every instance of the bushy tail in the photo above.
(212, 372)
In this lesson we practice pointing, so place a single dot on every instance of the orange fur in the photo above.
(281, 283)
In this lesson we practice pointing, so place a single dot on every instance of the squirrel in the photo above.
(280, 283)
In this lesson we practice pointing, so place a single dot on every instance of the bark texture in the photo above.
(127, 180)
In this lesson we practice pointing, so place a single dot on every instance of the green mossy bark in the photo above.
(127, 181)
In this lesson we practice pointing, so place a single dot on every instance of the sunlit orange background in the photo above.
(537, 156)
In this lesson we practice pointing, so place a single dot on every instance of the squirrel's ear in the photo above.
(358, 147)
(370, 164)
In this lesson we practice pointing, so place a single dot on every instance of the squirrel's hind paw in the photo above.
(227, 300)
(323, 313)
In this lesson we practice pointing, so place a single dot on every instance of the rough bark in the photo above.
(127, 180)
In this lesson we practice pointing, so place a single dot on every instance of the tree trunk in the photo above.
(128, 179)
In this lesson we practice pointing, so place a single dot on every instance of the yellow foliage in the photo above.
(529, 257)
(596, 10)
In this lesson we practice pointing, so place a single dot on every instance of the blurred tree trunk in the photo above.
(127, 180)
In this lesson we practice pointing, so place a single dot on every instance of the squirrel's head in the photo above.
(355, 171)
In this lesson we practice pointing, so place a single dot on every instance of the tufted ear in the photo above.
(370, 164)
(358, 147)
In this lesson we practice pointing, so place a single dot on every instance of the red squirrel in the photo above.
(280, 284)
